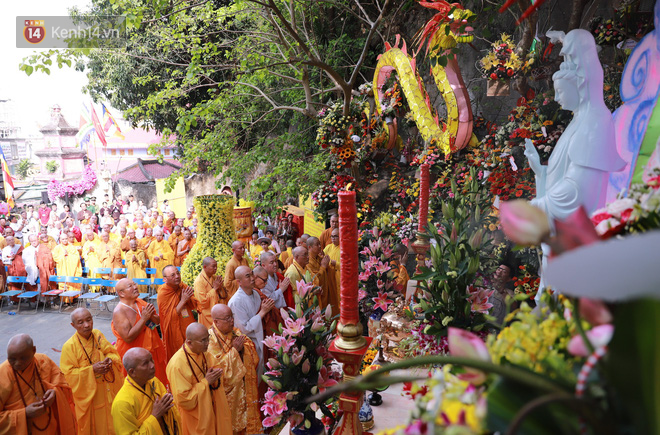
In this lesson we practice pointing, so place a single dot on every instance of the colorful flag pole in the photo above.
(110, 124)
(97, 126)
(6, 177)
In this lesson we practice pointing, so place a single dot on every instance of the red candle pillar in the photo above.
(423, 197)
(348, 313)
(350, 346)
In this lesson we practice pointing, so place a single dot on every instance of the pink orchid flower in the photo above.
(599, 336)
(523, 223)
(382, 301)
(466, 344)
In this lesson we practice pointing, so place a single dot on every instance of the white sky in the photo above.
(34, 95)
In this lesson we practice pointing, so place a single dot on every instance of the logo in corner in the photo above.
(34, 31)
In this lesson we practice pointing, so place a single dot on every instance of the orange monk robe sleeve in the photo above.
(173, 324)
(63, 408)
(230, 279)
(203, 411)
(12, 418)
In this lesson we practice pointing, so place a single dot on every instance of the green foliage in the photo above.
(23, 169)
(458, 256)
(52, 166)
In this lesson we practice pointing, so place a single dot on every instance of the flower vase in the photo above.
(215, 234)
(498, 88)
(317, 428)
(366, 415)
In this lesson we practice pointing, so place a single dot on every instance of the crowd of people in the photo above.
(193, 362)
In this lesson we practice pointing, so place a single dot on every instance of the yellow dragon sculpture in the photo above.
(456, 133)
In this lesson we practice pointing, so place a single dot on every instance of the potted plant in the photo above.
(500, 66)
(301, 367)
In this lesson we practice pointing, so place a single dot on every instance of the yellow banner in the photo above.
(312, 226)
(176, 198)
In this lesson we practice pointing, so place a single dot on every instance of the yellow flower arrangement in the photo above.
(215, 234)
(502, 62)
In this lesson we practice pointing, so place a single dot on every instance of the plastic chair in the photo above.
(119, 271)
(8, 294)
(16, 280)
(85, 271)
(142, 281)
(75, 280)
(87, 297)
(102, 271)
(110, 284)
(28, 295)
(104, 300)
(93, 282)
(123, 262)
(151, 271)
(143, 296)
(67, 294)
(56, 292)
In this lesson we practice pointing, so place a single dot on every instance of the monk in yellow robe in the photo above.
(136, 262)
(67, 261)
(176, 303)
(296, 272)
(238, 259)
(254, 248)
(401, 277)
(325, 235)
(236, 354)
(44, 232)
(184, 247)
(145, 241)
(160, 253)
(143, 405)
(125, 238)
(109, 253)
(288, 253)
(134, 324)
(34, 395)
(197, 386)
(209, 290)
(323, 275)
(90, 253)
(300, 241)
(92, 367)
(333, 251)
(126, 243)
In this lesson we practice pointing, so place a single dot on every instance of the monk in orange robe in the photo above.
(323, 274)
(125, 239)
(12, 258)
(183, 248)
(238, 259)
(237, 355)
(325, 237)
(34, 395)
(398, 264)
(145, 241)
(175, 237)
(300, 242)
(197, 386)
(209, 290)
(134, 324)
(93, 368)
(45, 264)
(175, 306)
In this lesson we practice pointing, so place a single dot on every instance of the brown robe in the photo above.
(46, 266)
(183, 243)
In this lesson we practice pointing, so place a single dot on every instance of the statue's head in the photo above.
(566, 89)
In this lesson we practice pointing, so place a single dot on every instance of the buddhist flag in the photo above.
(85, 127)
(98, 128)
(110, 124)
(6, 177)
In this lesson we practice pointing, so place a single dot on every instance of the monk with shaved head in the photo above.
(93, 369)
(34, 395)
(134, 324)
(249, 310)
(209, 290)
(236, 354)
(237, 260)
(197, 386)
(143, 405)
(176, 302)
(296, 272)
(159, 252)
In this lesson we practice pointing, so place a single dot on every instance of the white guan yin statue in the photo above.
(578, 169)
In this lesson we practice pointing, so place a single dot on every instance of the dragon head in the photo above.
(451, 15)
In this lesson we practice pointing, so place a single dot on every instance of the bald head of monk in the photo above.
(172, 276)
(301, 256)
(210, 266)
(20, 352)
(83, 322)
(260, 277)
(238, 248)
(314, 246)
(223, 318)
(197, 338)
(139, 365)
(127, 290)
(245, 278)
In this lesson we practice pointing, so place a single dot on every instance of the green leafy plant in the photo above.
(24, 167)
(459, 248)
(52, 166)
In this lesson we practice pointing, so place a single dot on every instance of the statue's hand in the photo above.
(532, 156)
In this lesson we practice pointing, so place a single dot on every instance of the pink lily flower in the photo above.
(594, 311)
(523, 223)
(303, 288)
(271, 421)
(466, 344)
(382, 301)
(599, 336)
(297, 355)
(294, 327)
(382, 267)
(479, 299)
(364, 276)
(325, 381)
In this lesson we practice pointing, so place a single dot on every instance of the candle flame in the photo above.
(348, 186)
